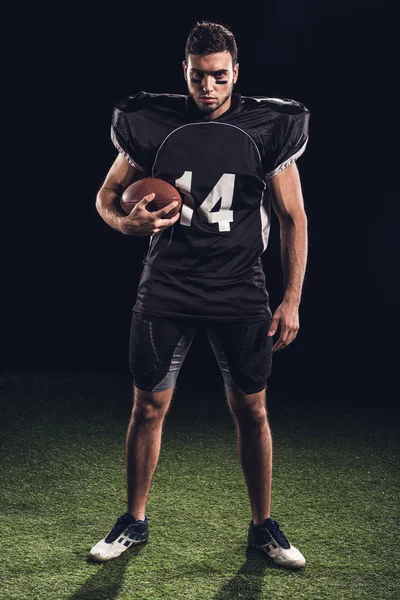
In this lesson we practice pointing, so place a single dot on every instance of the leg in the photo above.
(142, 451)
(143, 444)
(244, 354)
(157, 349)
(255, 448)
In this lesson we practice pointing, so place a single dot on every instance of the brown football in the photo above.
(165, 193)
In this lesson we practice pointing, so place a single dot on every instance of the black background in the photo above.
(70, 280)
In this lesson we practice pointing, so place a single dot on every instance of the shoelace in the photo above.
(277, 533)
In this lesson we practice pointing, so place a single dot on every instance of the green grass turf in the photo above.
(63, 486)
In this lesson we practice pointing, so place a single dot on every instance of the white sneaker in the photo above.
(126, 532)
(269, 538)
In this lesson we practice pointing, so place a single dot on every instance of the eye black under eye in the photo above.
(219, 76)
(199, 74)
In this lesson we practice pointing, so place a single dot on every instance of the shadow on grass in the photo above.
(106, 583)
(247, 583)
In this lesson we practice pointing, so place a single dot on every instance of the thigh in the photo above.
(157, 349)
(244, 354)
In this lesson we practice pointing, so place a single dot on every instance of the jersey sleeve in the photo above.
(288, 136)
(128, 130)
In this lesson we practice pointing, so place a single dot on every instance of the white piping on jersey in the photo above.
(265, 214)
(120, 149)
(280, 101)
(288, 162)
(205, 123)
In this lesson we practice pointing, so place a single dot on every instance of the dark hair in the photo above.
(207, 37)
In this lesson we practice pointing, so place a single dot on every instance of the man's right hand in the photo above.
(142, 222)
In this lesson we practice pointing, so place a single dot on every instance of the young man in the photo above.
(231, 157)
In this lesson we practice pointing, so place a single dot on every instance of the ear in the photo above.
(235, 72)
(184, 65)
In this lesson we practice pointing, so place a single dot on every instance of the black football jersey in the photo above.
(208, 264)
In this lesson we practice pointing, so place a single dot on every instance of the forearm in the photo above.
(107, 205)
(294, 246)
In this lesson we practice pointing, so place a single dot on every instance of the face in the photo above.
(210, 79)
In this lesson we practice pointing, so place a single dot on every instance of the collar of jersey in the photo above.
(193, 111)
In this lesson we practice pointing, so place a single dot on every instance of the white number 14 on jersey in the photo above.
(223, 190)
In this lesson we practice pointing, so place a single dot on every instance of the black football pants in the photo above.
(158, 346)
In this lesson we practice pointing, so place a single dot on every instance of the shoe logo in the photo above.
(271, 547)
(128, 538)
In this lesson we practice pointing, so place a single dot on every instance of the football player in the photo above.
(232, 157)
